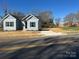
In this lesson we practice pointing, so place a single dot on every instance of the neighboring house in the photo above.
(71, 24)
(29, 22)
(11, 22)
(68, 24)
(77, 23)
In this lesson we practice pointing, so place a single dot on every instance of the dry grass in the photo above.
(19, 34)
(62, 30)
(56, 29)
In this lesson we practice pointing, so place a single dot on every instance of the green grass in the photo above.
(70, 28)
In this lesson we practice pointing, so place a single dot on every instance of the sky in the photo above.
(59, 8)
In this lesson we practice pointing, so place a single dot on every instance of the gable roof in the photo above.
(6, 16)
(18, 17)
(28, 17)
(22, 18)
(15, 16)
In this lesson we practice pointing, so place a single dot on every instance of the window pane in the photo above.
(11, 23)
(7, 23)
(32, 24)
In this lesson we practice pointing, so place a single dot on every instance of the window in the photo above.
(9, 24)
(32, 24)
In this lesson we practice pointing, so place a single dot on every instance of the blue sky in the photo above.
(60, 8)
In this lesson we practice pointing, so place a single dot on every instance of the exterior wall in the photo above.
(24, 29)
(19, 25)
(40, 25)
(71, 24)
(9, 19)
(68, 24)
(33, 19)
(77, 24)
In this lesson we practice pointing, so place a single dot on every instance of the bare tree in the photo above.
(69, 18)
(77, 16)
(35, 12)
(17, 14)
(57, 21)
(46, 18)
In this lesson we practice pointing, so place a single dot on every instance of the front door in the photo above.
(25, 24)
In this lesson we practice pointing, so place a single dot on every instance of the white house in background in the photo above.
(29, 22)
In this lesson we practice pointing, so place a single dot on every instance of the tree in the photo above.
(17, 14)
(57, 21)
(69, 18)
(35, 12)
(46, 18)
(77, 16)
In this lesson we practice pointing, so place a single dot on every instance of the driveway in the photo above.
(59, 47)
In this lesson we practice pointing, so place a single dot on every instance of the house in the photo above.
(77, 24)
(29, 22)
(71, 24)
(10, 22)
(68, 24)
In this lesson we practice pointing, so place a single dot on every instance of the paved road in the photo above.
(61, 47)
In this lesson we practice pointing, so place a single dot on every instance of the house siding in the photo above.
(19, 25)
(9, 19)
(33, 19)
